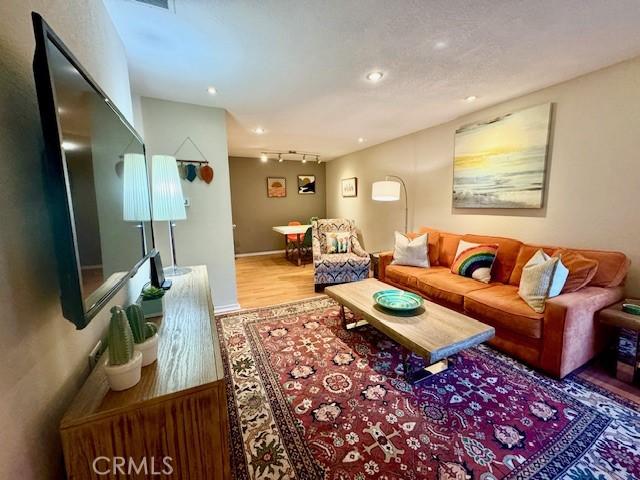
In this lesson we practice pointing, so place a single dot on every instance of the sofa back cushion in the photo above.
(612, 267)
(433, 241)
(508, 249)
(448, 247)
(524, 255)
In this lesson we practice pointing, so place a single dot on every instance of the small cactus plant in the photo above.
(120, 338)
(141, 330)
(151, 293)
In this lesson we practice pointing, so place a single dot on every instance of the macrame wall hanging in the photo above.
(192, 169)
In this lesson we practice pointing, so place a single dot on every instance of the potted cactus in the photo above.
(124, 365)
(145, 334)
(152, 301)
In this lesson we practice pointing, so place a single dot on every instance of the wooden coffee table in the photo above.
(433, 332)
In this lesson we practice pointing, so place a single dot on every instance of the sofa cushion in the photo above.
(581, 269)
(524, 255)
(448, 287)
(433, 241)
(408, 276)
(501, 307)
(447, 248)
(508, 249)
(612, 267)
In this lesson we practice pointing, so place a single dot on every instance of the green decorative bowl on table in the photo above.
(398, 300)
(631, 308)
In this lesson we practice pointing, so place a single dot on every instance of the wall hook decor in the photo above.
(194, 168)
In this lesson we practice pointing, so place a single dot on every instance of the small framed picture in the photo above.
(306, 184)
(350, 187)
(276, 187)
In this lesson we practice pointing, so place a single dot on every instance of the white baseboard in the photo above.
(255, 254)
(232, 307)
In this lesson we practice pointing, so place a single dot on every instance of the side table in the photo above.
(375, 258)
(628, 343)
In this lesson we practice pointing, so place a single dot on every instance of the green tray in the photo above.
(398, 300)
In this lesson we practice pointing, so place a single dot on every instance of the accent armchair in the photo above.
(334, 268)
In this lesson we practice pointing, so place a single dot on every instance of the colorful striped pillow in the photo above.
(474, 260)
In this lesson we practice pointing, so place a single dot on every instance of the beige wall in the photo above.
(593, 177)
(205, 237)
(44, 359)
(254, 213)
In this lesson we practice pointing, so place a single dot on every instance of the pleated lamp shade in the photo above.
(385, 191)
(135, 189)
(168, 202)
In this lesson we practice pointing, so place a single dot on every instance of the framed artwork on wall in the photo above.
(502, 163)
(306, 184)
(276, 187)
(350, 187)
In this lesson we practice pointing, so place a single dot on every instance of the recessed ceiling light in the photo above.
(360, 140)
(264, 158)
(440, 45)
(258, 130)
(375, 76)
(471, 98)
(212, 90)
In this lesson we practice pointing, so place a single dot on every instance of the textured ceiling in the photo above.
(297, 67)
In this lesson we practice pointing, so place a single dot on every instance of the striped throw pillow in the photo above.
(474, 260)
(542, 277)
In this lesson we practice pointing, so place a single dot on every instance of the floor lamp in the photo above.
(168, 201)
(136, 193)
(389, 191)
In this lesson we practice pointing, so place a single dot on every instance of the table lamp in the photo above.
(389, 191)
(135, 188)
(168, 201)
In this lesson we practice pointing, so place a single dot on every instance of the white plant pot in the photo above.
(124, 376)
(149, 350)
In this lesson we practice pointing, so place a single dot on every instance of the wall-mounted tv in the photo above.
(97, 181)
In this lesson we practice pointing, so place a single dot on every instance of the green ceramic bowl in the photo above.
(398, 300)
(631, 308)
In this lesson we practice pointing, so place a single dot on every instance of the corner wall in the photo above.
(43, 359)
(205, 237)
(593, 177)
(254, 214)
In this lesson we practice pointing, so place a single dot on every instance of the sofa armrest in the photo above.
(384, 260)
(571, 335)
(357, 248)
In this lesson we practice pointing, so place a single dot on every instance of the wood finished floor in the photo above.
(266, 280)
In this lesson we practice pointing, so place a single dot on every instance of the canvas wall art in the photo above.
(306, 184)
(350, 187)
(276, 187)
(502, 163)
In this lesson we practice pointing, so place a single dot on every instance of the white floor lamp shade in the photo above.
(385, 191)
(135, 189)
(168, 201)
(389, 191)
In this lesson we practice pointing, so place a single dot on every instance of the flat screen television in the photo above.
(97, 181)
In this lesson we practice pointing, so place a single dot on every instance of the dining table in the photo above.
(298, 231)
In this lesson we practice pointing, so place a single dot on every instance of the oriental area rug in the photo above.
(310, 400)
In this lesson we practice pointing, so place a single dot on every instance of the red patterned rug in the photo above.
(310, 400)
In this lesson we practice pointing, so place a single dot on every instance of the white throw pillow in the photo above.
(542, 277)
(410, 252)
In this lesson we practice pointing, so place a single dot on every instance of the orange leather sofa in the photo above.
(557, 341)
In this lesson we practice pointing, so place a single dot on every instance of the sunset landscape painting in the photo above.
(501, 163)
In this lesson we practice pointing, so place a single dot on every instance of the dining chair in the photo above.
(291, 239)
